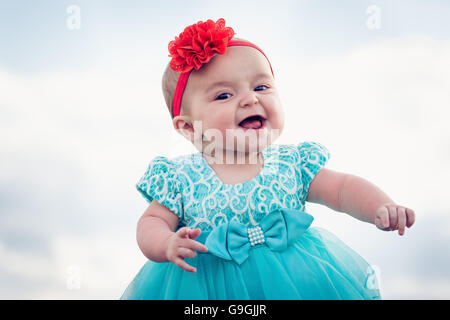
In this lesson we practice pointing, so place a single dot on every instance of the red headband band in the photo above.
(195, 47)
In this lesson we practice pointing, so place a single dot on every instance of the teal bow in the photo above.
(230, 241)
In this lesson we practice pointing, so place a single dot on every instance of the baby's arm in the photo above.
(153, 229)
(158, 241)
(359, 198)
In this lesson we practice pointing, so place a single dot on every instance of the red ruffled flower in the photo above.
(197, 44)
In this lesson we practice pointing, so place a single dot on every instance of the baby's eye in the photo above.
(222, 96)
(263, 85)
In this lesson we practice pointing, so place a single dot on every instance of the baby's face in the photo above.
(232, 87)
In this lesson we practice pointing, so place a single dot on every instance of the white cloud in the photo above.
(382, 110)
(75, 142)
(80, 267)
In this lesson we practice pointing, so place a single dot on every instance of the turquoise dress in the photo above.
(261, 245)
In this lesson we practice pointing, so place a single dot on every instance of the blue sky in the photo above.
(82, 114)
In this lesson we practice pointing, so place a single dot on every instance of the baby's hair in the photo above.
(169, 83)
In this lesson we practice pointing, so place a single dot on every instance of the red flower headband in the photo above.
(195, 46)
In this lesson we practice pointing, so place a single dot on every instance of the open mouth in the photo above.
(253, 122)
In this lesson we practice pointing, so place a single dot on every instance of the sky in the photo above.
(82, 114)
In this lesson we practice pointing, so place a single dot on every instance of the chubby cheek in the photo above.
(275, 112)
(279, 120)
(216, 123)
(219, 119)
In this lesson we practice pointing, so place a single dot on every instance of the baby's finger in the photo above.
(382, 218)
(183, 232)
(183, 265)
(186, 253)
(401, 220)
(195, 245)
(194, 233)
(410, 217)
(393, 217)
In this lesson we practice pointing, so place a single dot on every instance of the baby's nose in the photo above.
(249, 99)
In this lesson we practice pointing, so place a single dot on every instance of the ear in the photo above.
(183, 125)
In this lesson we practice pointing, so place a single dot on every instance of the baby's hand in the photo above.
(181, 245)
(392, 217)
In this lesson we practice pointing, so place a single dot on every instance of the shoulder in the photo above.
(160, 165)
(312, 148)
(162, 169)
(171, 165)
(298, 152)
(180, 170)
(160, 182)
(305, 159)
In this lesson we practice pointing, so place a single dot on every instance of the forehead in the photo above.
(238, 63)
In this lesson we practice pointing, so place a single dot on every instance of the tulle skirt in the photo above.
(315, 266)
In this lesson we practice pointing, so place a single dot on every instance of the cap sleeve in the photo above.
(312, 157)
(160, 182)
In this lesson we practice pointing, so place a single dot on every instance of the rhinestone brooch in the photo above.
(255, 235)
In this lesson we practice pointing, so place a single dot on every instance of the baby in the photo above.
(222, 96)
